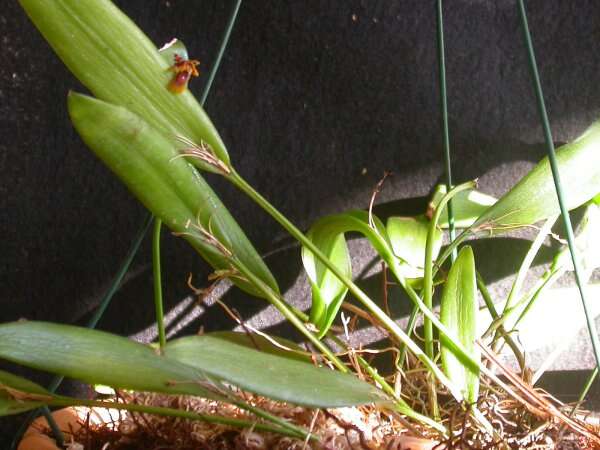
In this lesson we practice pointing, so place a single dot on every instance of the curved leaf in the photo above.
(274, 376)
(467, 206)
(328, 291)
(458, 312)
(534, 197)
(328, 234)
(408, 237)
(97, 357)
(166, 184)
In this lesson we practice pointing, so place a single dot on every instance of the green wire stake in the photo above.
(156, 272)
(222, 48)
(555, 174)
(444, 111)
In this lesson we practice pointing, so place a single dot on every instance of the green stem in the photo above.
(400, 405)
(428, 265)
(392, 327)
(487, 298)
(410, 327)
(528, 260)
(287, 312)
(297, 432)
(221, 52)
(158, 297)
(444, 111)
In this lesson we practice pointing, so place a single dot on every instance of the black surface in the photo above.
(310, 94)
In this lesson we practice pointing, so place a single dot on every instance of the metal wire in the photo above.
(444, 111)
(556, 176)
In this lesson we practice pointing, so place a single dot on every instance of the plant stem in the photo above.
(296, 432)
(444, 111)
(487, 298)
(288, 313)
(428, 264)
(158, 297)
(528, 260)
(392, 327)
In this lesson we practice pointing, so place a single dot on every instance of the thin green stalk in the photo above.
(585, 390)
(528, 260)
(410, 327)
(428, 265)
(392, 327)
(222, 47)
(158, 296)
(283, 428)
(444, 112)
(56, 432)
(287, 312)
(557, 182)
(487, 298)
(401, 406)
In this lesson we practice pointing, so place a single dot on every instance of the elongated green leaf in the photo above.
(97, 357)
(277, 346)
(113, 58)
(166, 184)
(328, 291)
(408, 236)
(534, 197)
(11, 399)
(273, 376)
(467, 206)
(458, 312)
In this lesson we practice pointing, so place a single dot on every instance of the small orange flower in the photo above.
(184, 69)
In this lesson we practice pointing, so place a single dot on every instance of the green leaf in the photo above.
(458, 312)
(115, 60)
(166, 184)
(534, 197)
(467, 206)
(277, 346)
(274, 376)
(328, 235)
(587, 242)
(190, 366)
(328, 291)
(408, 237)
(97, 357)
(12, 398)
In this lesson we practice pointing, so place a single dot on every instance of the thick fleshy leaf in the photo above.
(408, 236)
(273, 376)
(458, 312)
(328, 234)
(328, 291)
(166, 184)
(97, 357)
(534, 197)
(115, 60)
(467, 206)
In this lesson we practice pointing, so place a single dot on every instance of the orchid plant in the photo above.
(152, 133)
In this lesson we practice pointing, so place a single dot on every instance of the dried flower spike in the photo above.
(184, 69)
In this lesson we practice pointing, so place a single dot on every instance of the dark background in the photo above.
(315, 100)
